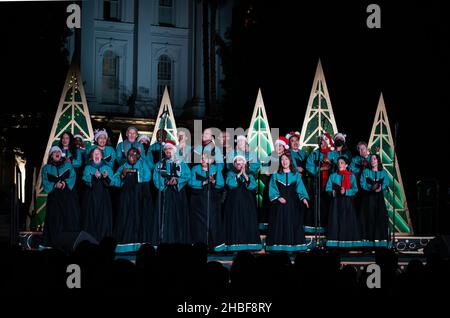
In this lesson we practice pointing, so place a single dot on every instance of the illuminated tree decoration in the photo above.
(165, 112)
(260, 140)
(72, 115)
(381, 141)
(319, 115)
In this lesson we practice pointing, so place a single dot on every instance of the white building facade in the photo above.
(131, 49)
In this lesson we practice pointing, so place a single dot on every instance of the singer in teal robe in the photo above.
(171, 215)
(205, 207)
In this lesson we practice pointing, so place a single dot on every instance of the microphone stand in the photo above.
(317, 196)
(160, 208)
(207, 203)
(161, 211)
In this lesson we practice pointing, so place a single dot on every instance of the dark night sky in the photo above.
(408, 59)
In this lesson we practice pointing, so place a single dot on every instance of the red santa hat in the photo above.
(169, 144)
(328, 140)
(293, 134)
(282, 141)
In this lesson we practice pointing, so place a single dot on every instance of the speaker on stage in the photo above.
(439, 245)
(70, 240)
(427, 207)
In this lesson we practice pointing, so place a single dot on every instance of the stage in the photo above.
(408, 248)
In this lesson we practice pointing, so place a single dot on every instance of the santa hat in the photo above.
(169, 144)
(282, 141)
(328, 140)
(241, 137)
(100, 132)
(143, 137)
(78, 136)
(239, 157)
(53, 149)
(293, 134)
(340, 136)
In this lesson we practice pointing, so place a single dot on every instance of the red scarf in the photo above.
(324, 173)
(346, 180)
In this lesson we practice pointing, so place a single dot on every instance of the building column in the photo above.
(144, 105)
(197, 105)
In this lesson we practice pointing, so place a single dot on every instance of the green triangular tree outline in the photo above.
(71, 112)
(120, 139)
(315, 115)
(381, 139)
(260, 139)
(170, 126)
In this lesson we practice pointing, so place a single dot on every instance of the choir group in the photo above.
(142, 193)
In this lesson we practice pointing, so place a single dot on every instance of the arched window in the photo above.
(110, 78)
(111, 10)
(164, 75)
(166, 12)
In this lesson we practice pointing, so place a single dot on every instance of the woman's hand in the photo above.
(305, 202)
(342, 190)
(98, 174)
(282, 200)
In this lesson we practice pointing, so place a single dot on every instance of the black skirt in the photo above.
(241, 224)
(171, 217)
(374, 216)
(80, 187)
(264, 206)
(286, 221)
(358, 197)
(62, 215)
(97, 210)
(146, 209)
(310, 213)
(343, 225)
(201, 216)
(135, 209)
